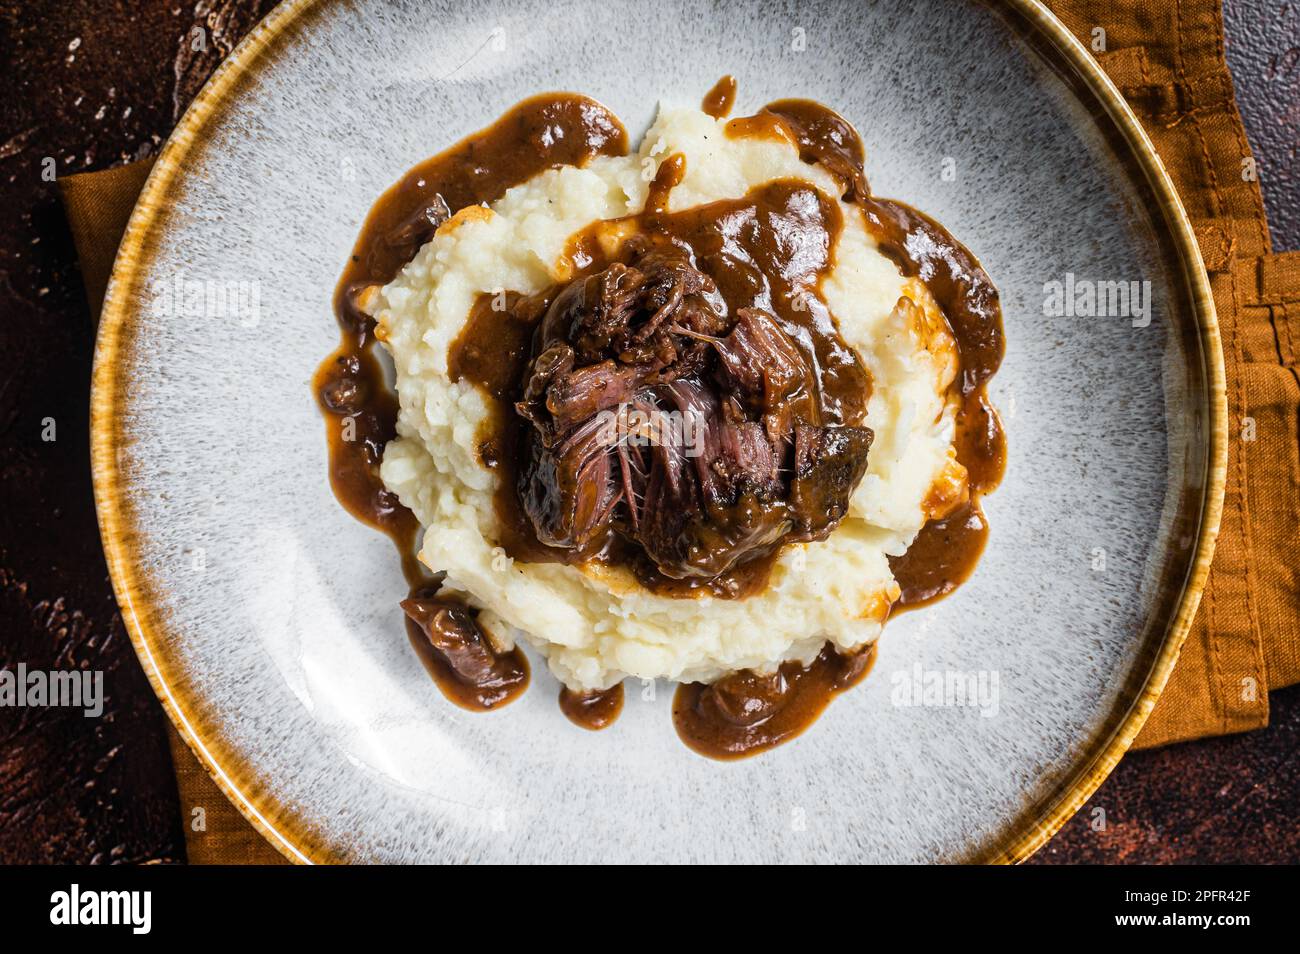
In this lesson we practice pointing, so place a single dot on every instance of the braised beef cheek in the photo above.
(736, 457)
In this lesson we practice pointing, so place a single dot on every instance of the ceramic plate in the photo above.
(267, 618)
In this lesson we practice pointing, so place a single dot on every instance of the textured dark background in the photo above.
(92, 84)
(1262, 45)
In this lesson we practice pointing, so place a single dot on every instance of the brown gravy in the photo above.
(718, 101)
(360, 419)
(743, 713)
(461, 661)
(592, 710)
(941, 557)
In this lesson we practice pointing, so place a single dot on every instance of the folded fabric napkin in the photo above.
(1167, 59)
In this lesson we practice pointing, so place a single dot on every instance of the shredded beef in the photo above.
(656, 416)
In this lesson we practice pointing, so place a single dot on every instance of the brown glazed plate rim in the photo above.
(291, 833)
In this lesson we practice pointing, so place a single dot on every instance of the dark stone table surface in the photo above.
(89, 84)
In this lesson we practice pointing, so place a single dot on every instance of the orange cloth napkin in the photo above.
(1166, 56)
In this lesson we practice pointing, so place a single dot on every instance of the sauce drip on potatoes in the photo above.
(743, 713)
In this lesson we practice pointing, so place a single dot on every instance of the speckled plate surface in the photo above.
(267, 618)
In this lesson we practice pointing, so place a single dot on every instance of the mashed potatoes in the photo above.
(596, 625)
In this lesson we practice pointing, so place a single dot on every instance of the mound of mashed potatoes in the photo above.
(594, 624)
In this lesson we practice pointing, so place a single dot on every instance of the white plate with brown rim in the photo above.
(267, 618)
